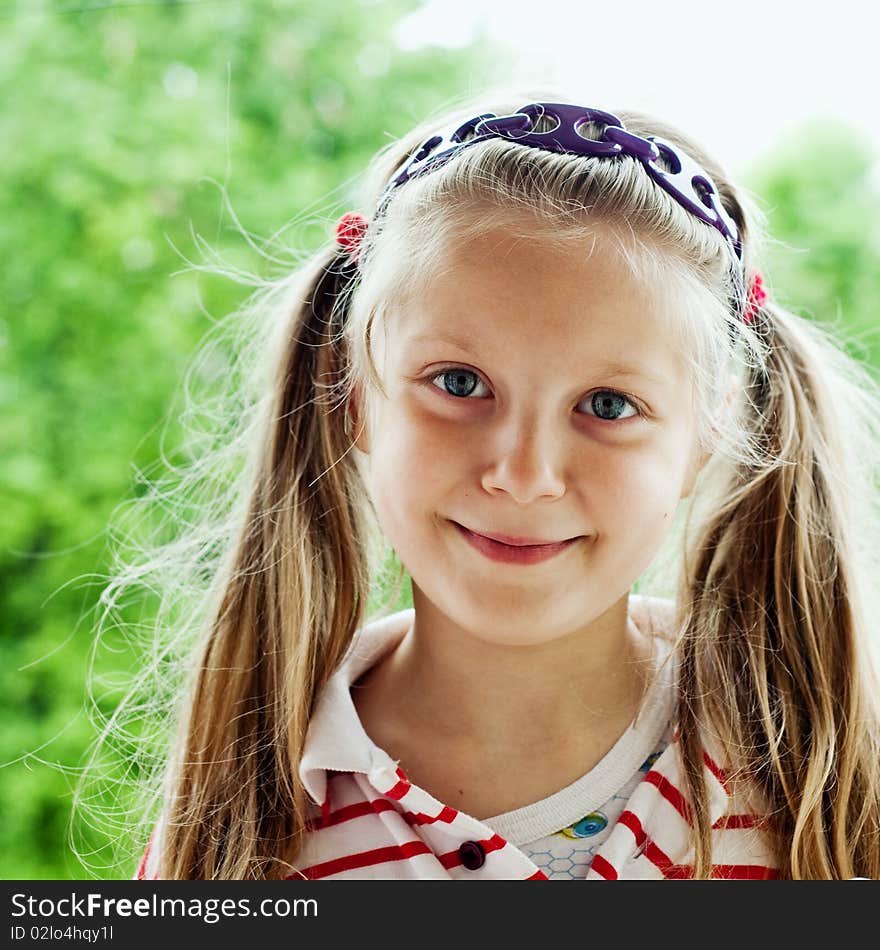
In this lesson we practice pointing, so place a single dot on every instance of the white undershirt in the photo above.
(562, 832)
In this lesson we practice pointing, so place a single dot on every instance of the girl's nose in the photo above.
(527, 463)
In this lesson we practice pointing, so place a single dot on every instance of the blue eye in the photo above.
(457, 379)
(607, 400)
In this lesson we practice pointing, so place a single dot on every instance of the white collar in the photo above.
(336, 739)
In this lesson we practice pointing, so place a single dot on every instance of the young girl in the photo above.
(547, 332)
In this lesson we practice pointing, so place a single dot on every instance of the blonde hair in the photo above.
(276, 557)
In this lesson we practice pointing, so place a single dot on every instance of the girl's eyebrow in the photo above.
(611, 367)
(463, 343)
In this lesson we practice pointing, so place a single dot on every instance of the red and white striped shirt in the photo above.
(369, 822)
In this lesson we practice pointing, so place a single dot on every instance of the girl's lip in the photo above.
(513, 554)
(515, 542)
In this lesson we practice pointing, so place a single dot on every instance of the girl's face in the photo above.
(533, 395)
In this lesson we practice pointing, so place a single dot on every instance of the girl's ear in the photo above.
(696, 466)
(356, 419)
(699, 461)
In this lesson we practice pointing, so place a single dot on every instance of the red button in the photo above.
(472, 855)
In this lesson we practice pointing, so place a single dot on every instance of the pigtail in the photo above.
(776, 654)
(295, 591)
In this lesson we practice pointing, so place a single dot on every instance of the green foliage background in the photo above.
(113, 115)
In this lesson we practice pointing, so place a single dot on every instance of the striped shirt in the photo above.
(369, 822)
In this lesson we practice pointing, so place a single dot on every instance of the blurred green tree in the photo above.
(820, 189)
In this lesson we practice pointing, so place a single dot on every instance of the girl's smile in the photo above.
(510, 553)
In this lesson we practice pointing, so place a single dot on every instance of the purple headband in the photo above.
(685, 180)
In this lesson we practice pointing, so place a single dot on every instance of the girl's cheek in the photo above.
(438, 424)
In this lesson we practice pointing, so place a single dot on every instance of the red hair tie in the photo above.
(350, 229)
(756, 298)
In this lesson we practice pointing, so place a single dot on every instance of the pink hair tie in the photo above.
(350, 229)
(756, 298)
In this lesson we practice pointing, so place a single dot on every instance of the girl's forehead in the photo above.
(510, 266)
(506, 290)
